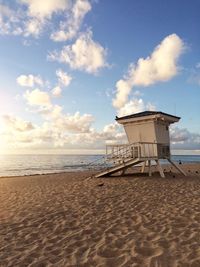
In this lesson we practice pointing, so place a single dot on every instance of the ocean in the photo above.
(17, 165)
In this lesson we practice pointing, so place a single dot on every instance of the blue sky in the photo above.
(69, 67)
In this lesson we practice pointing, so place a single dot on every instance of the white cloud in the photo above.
(111, 128)
(37, 97)
(85, 54)
(69, 130)
(74, 131)
(150, 106)
(69, 28)
(56, 111)
(67, 122)
(30, 17)
(5, 11)
(29, 80)
(63, 78)
(113, 133)
(12, 21)
(74, 123)
(160, 66)
(56, 91)
(33, 27)
(9, 21)
(182, 138)
(131, 107)
(123, 90)
(134, 106)
(43, 9)
(17, 124)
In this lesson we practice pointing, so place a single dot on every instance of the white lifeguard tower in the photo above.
(148, 139)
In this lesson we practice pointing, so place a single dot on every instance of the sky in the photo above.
(68, 67)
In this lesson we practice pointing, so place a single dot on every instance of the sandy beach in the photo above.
(70, 219)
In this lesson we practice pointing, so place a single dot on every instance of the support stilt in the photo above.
(149, 163)
(159, 167)
(123, 171)
(177, 167)
(143, 167)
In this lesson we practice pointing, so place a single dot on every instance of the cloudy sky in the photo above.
(68, 67)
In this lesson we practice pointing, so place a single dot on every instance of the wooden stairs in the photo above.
(120, 167)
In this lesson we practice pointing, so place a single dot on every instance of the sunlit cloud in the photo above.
(33, 27)
(134, 106)
(58, 129)
(10, 21)
(160, 66)
(56, 91)
(29, 80)
(182, 138)
(33, 17)
(64, 79)
(17, 124)
(37, 97)
(68, 28)
(43, 9)
(71, 123)
(39, 13)
(85, 54)
(75, 131)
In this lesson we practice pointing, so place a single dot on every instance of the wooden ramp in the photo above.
(120, 167)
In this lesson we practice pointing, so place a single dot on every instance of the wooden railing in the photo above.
(139, 150)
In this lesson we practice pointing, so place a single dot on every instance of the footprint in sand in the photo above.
(106, 252)
(162, 260)
(195, 263)
(147, 251)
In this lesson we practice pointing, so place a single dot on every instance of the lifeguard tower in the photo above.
(148, 140)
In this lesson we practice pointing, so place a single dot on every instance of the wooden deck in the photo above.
(128, 155)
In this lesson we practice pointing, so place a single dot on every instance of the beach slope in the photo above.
(70, 219)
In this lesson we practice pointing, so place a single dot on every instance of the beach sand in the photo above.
(69, 219)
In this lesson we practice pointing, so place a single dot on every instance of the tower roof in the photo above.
(145, 115)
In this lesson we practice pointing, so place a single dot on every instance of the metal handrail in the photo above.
(123, 150)
(126, 150)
